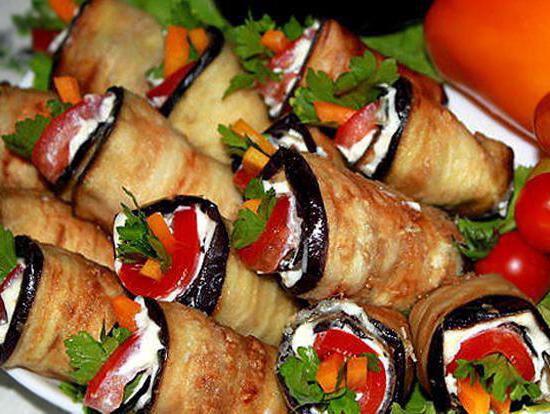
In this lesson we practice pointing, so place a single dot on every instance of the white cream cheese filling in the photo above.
(293, 139)
(10, 296)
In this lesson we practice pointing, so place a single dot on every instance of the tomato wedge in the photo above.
(497, 341)
(242, 177)
(359, 125)
(51, 152)
(105, 392)
(42, 38)
(184, 262)
(169, 85)
(265, 254)
(344, 343)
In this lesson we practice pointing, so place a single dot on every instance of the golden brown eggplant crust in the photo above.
(46, 219)
(211, 369)
(203, 106)
(110, 43)
(73, 295)
(18, 104)
(145, 155)
(326, 144)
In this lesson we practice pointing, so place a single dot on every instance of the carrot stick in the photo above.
(199, 39)
(332, 113)
(65, 9)
(275, 40)
(151, 269)
(252, 205)
(473, 397)
(125, 310)
(158, 226)
(356, 374)
(68, 89)
(327, 373)
(242, 128)
(254, 161)
(176, 49)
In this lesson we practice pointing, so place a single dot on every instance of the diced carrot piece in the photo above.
(125, 310)
(158, 226)
(275, 40)
(473, 398)
(252, 205)
(242, 128)
(65, 9)
(331, 113)
(68, 89)
(356, 375)
(176, 49)
(199, 39)
(500, 407)
(327, 373)
(152, 269)
(254, 161)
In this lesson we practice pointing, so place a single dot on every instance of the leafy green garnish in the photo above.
(74, 391)
(408, 47)
(41, 65)
(480, 236)
(498, 377)
(418, 404)
(137, 241)
(544, 308)
(39, 16)
(234, 143)
(353, 89)
(8, 258)
(131, 386)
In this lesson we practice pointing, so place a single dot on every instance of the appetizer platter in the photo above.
(269, 216)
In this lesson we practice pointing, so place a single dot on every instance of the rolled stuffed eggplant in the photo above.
(48, 220)
(48, 295)
(326, 231)
(175, 359)
(369, 349)
(204, 273)
(467, 334)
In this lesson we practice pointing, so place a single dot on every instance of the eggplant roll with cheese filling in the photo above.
(48, 295)
(18, 104)
(48, 220)
(204, 273)
(329, 231)
(370, 346)
(418, 147)
(175, 359)
(469, 333)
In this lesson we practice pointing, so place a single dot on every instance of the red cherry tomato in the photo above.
(105, 392)
(497, 341)
(520, 263)
(42, 38)
(169, 85)
(184, 262)
(359, 125)
(265, 254)
(533, 212)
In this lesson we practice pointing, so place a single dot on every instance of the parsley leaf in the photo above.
(418, 404)
(8, 258)
(131, 386)
(234, 143)
(480, 236)
(40, 16)
(137, 241)
(41, 65)
(293, 29)
(74, 391)
(408, 47)
(544, 308)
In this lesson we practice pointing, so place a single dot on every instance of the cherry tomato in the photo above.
(357, 126)
(533, 212)
(497, 341)
(42, 38)
(169, 85)
(520, 263)
(542, 123)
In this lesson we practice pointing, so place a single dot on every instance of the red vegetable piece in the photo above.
(242, 177)
(42, 38)
(169, 85)
(357, 126)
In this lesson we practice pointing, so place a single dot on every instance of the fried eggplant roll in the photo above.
(117, 140)
(176, 359)
(329, 231)
(464, 332)
(48, 220)
(18, 104)
(418, 147)
(204, 272)
(370, 346)
(48, 295)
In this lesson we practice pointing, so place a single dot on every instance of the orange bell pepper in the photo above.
(68, 89)
(199, 39)
(500, 407)
(356, 374)
(254, 161)
(152, 270)
(252, 205)
(275, 40)
(495, 50)
(125, 310)
(332, 113)
(473, 398)
(65, 9)
(242, 128)
(327, 373)
(176, 49)
(160, 229)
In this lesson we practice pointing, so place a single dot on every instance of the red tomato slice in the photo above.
(169, 85)
(265, 254)
(241, 178)
(42, 38)
(184, 262)
(105, 392)
(17, 272)
(359, 125)
(497, 341)
(51, 152)
(348, 345)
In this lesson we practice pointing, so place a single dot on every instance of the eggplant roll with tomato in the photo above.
(464, 332)
(369, 347)
(333, 232)
(204, 272)
(18, 104)
(418, 147)
(48, 220)
(48, 295)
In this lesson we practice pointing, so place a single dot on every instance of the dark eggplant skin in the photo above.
(205, 290)
(325, 321)
(290, 121)
(78, 167)
(480, 310)
(26, 249)
(217, 42)
(311, 209)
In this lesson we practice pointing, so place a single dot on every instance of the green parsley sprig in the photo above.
(235, 144)
(418, 403)
(8, 258)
